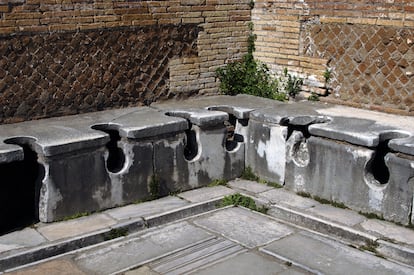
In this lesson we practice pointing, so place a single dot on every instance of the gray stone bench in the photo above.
(350, 161)
(94, 161)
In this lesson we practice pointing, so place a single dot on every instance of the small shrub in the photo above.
(303, 194)
(291, 84)
(239, 199)
(274, 184)
(249, 76)
(217, 183)
(327, 74)
(116, 233)
(371, 215)
(248, 174)
(313, 97)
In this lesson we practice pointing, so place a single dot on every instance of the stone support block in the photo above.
(266, 150)
(268, 132)
(200, 155)
(351, 163)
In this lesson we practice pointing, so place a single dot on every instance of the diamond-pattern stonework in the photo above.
(371, 64)
(54, 74)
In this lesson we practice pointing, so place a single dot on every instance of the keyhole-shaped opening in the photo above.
(191, 147)
(116, 157)
(377, 167)
(232, 138)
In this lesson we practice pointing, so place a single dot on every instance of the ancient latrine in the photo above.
(90, 162)
(73, 57)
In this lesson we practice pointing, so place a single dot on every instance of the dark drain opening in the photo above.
(301, 128)
(116, 156)
(191, 146)
(233, 138)
(377, 166)
(19, 198)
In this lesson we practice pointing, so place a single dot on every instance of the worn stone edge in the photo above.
(385, 248)
(60, 247)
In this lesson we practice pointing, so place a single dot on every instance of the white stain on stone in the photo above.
(117, 178)
(299, 180)
(376, 196)
(274, 151)
(49, 197)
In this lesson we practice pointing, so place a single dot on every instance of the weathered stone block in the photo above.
(266, 150)
(346, 173)
(74, 184)
(198, 156)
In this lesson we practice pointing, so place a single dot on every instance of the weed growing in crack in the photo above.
(241, 200)
(248, 174)
(154, 187)
(116, 233)
(217, 183)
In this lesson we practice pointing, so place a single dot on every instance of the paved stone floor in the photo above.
(187, 234)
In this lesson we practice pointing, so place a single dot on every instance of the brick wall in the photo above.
(60, 57)
(368, 46)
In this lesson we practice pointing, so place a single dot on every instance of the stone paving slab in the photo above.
(206, 193)
(136, 251)
(240, 225)
(146, 208)
(143, 270)
(197, 256)
(343, 216)
(61, 267)
(389, 230)
(285, 197)
(249, 186)
(71, 228)
(243, 226)
(247, 264)
(322, 255)
(22, 238)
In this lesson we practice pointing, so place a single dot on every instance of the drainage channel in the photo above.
(21, 182)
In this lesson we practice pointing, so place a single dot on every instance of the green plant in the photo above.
(217, 183)
(293, 84)
(313, 97)
(371, 246)
(303, 194)
(248, 174)
(251, 4)
(274, 184)
(239, 199)
(154, 187)
(333, 203)
(327, 74)
(371, 215)
(249, 76)
(116, 233)
(75, 216)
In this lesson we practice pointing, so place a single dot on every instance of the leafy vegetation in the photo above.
(76, 216)
(253, 77)
(248, 174)
(154, 187)
(239, 199)
(116, 233)
(217, 183)
(313, 97)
